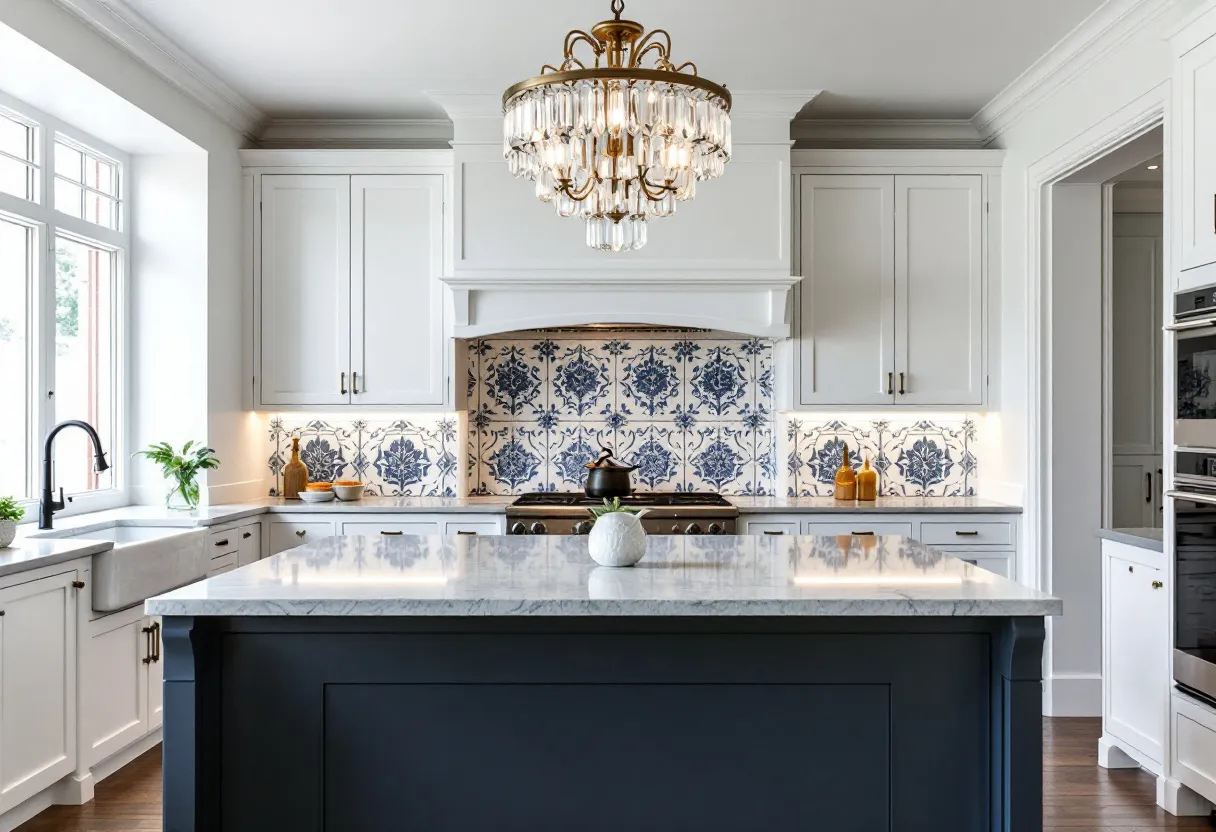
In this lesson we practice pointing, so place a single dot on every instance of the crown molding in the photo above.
(1110, 25)
(885, 133)
(401, 133)
(129, 31)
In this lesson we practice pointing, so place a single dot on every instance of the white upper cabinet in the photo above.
(938, 290)
(349, 252)
(1195, 177)
(891, 304)
(396, 298)
(305, 290)
(846, 353)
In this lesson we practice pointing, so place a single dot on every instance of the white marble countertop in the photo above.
(554, 575)
(1142, 538)
(26, 554)
(883, 505)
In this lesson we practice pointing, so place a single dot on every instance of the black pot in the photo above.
(606, 478)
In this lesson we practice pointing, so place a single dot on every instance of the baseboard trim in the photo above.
(1073, 694)
(62, 791)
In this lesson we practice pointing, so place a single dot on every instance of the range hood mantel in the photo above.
(755, 305)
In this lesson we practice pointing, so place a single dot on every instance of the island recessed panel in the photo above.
(603, 758)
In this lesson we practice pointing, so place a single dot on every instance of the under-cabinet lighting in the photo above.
(894, 580)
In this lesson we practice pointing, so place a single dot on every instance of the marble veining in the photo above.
(553, 575)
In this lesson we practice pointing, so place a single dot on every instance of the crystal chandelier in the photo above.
(616, 142)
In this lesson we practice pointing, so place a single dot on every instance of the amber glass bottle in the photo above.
(846, 479)
(867, 483)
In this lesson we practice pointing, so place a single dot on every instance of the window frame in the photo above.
(47, 223)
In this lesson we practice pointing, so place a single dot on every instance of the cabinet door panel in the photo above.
(37, 686)
(249, 544)
(289, 535)
(846, 306)
(115, 705)
(1136, 627)
(305, 289)
(1134, 484)
(397, 299)
(1136, 336)
(1197, 69)
(939, 290)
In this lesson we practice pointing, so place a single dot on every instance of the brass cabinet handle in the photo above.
(890, 384)
(354, 382)
(147, 631)
(901, 384)
(767, 532)
(862, 534)
(967, 534)
(1157, 584)
(78, 584)
(300, 532)
(342, 383)
(391, 534)
(223, 542)
(246, 535)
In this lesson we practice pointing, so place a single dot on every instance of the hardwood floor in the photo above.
(1078, 796)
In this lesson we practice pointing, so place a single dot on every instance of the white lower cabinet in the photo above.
(390, 529)
(769, 527)
(122, 677)
(860, 526)
(286, 534)
(37, 683)
(1135, 652)
(1000, 564)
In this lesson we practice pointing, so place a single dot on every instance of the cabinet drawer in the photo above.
(285, 536)
(390, 529)
(454, 527)
(249, 541)
(221, 543)
(221, 565)
(770, 528)
(987, 560)
(966, 534)
(856, 527)
(1194, 746)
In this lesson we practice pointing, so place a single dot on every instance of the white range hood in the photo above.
(722, 262)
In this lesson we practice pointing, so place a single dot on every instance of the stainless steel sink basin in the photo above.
(145, 561)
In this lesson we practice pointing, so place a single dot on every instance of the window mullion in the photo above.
(45, 279)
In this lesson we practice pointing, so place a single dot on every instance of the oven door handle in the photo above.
(1209, 499)
(1185, 325)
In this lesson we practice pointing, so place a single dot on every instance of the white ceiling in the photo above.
(373, 58)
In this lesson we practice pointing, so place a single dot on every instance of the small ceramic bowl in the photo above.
(316, 496)
(346, 492)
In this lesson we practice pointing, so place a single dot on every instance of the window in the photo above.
(62, 260)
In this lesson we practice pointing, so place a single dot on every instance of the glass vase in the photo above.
(183, 494)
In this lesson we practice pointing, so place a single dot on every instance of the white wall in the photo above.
(1076, 447)
(215, 318)
(1116, 88)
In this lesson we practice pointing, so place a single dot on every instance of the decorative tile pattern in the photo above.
(913, 457)
(692, 412)
(415, 457)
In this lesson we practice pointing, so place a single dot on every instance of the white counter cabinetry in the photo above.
(287, 533)
(987, 540)
(38, 618)
(1135, 656)
(348, 252)
(122, 679)
(890, 245)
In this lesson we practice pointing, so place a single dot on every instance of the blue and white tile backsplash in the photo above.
(694, 413)
(914, 457)
(412, 456)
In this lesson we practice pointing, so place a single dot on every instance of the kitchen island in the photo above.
(507, 683)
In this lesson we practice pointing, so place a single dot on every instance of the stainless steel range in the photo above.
(666, 513)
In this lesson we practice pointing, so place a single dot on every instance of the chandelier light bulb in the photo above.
(616, 133)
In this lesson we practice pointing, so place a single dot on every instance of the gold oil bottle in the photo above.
(846, 479)
(867, 483)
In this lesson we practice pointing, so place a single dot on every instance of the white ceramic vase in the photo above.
(617, 539)
(8, 530)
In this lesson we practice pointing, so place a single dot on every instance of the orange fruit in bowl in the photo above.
(319, 486)
(347, 482)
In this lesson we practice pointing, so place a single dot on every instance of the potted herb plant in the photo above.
(10, 513)
(180, 469)
(617, 538)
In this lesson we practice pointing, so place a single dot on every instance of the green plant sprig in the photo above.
(612, 507)
(9, 510)
(185, 465)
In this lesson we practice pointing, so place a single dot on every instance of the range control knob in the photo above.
(518, 528)
(714, 528)
(582, 527)
(693, 528)
(675, 529)
(538, 528)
